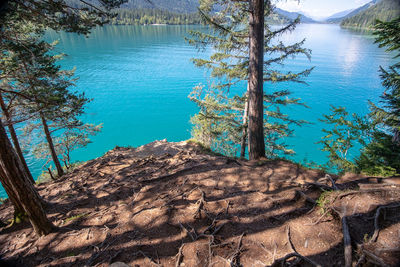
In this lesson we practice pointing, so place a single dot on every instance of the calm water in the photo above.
(140, 77)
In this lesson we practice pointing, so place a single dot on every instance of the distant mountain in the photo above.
(339, 15)
(293, 15)
(384, 10)
(354, 12)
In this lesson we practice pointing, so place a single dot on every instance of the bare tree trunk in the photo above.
(14, 138)
(244, 131)
(256, 57)
(53, 153)
(20, 190)
(51, 174)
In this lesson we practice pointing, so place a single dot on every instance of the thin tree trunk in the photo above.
(14, 138)
(256, 57)
(51, 174)
(53, 153)
(20, 190)
(244, 131)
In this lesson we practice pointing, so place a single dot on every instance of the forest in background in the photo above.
(384, 10)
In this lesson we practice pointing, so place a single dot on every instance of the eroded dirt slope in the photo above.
(170, 204)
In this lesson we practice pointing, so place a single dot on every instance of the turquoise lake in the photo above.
(140, 77)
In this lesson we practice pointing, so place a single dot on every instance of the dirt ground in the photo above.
(172, 204)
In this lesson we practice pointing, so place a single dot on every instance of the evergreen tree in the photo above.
(222, 122)
(58, 15)
(8, 116)
(377, 133)
(382, 155)
(255, 78)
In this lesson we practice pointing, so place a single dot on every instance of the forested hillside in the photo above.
(291, 16)
(154, 16)
(384, 10)
(336, 19)
(142, 16)
(173, 6)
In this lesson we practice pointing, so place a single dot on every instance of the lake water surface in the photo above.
(140, 76)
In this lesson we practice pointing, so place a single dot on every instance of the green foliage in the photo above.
(382, 155)
(324, 200)
(35, 88)
(218, 123)
(69, 15)
(379, 132)
(153, 16)
(68, 140)
(385, 10)
(344, 133)
(75, 217)
(221, 123)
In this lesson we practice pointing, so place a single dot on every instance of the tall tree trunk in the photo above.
(53, 153)
(244, 131)
(256, 57)
(18, 187)
(14, 138)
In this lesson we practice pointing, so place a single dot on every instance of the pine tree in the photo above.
(20, 190)
(377, 133)
(58, 15)
(382, 155)
(7, 112)
(223, 118)
(388, 35)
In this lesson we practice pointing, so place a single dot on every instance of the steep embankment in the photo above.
(384, 10)
(172, 204)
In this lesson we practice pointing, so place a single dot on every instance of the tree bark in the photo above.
(256, 57)
(20, 190)
(14, 138)
(53, 153)
(244, 132)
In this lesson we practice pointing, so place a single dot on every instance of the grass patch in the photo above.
(324, 200)
(75, 217)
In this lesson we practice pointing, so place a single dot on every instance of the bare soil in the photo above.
(173, 204)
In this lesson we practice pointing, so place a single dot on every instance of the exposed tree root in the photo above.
(376, 220)
(191, 233)
(172, 175)
(305, 197)
(179, 256)
(319, 219)
(346, 238)
(200, 205)
(153, 262)
(294, 254)
(234, 259)
(368, 256)
(332, 181)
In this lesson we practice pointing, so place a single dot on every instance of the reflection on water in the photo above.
(351, 53)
